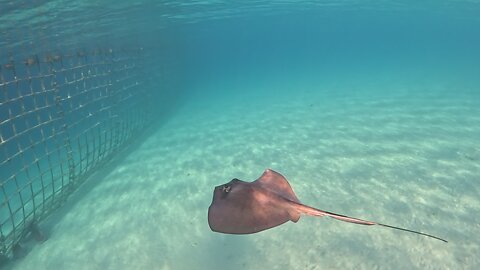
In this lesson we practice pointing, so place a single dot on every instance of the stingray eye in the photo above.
(226, 188)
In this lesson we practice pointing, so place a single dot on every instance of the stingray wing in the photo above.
(277, 183)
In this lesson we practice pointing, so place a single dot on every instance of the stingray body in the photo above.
(240, 207)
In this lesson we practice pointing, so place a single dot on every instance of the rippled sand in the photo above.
(411, 160)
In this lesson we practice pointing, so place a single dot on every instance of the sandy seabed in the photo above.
(410, 160)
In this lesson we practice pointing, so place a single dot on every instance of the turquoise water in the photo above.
(369, 110)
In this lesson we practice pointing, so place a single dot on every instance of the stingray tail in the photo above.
(407, 230)
(307, 210)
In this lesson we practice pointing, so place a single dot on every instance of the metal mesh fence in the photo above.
(61, 115)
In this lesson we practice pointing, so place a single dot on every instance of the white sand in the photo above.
(410, 160)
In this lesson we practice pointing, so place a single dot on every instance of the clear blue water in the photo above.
(369, 109)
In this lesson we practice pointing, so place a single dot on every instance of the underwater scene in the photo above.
(239, 134)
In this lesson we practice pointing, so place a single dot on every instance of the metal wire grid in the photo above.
(61, 115)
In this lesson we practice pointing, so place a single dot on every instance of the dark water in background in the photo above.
(223, 54)
(341, 45)
(261, 40)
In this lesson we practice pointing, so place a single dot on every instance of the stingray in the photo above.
(240, 207)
